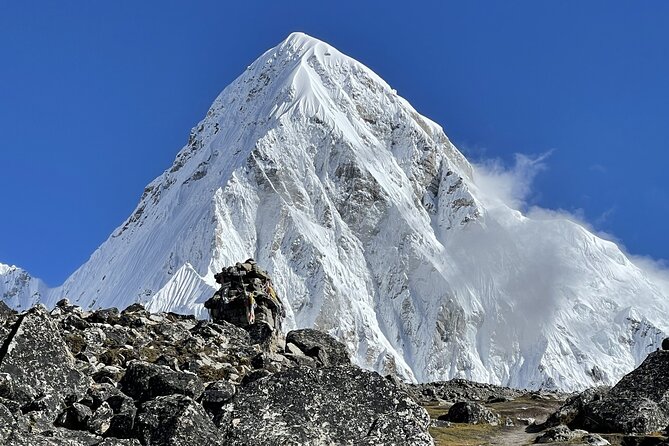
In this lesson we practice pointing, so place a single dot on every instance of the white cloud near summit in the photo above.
(513, 186)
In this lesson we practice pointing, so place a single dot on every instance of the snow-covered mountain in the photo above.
(374, 228)
(18, 289)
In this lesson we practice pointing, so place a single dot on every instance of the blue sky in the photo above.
(96, 98)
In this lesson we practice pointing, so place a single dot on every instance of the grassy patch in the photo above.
(463, 434)
(525, 407)
(483, 434)
(434, 410)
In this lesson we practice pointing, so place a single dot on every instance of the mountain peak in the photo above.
(301, 41)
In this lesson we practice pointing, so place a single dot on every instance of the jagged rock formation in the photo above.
(114, 378)
(381, 230)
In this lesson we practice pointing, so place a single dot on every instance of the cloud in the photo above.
(511, 186)
(656, 270)
(605, 216)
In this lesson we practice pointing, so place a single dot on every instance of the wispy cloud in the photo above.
(513, 184)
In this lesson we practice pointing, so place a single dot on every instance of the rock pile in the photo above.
(246, 296)
(109, 377)
(461, 390)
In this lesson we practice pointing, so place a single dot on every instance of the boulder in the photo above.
(133, 316)
(74, 417)
(262, 334)
(573, 412)
(113, 412)
(456, 390)
(175, 420)
(119, 442)
(218, 393)
(470, 412)
(341, 405)
(326, 350)
(144, 381)
(222, 332)
(41, 366)
(7, 424)
(560, 433)
(638, 404)
(100, 421)
(109, 316)
(123, 419)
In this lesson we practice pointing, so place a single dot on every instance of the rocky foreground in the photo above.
(110, 377)
(70, 377)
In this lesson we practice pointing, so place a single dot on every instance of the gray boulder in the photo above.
(113, 412)
(470, 412)
(573, 412)
(41, 367)
(336, 405)
(7, 424)
(326, 350)
(144, 381)
(560, 433)
(175, 420)
(639, 403)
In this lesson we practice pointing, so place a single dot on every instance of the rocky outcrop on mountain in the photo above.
(108, 377)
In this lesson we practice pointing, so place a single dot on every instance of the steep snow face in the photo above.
(374, 228)
(18, 289)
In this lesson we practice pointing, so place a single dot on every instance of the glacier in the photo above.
(375, 229)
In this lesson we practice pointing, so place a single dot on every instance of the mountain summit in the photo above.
(375, 230)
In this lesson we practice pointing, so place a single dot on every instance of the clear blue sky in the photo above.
(96, 98)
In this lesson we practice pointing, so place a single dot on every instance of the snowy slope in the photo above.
(374, 228)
